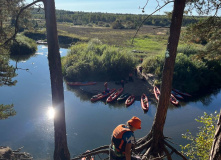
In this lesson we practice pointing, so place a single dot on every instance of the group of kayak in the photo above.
(175, 94)
(114, 94)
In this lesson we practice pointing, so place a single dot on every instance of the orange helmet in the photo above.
(135, 122)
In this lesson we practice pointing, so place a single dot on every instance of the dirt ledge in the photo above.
(142, 83)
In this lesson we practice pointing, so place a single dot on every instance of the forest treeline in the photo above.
(119, 21)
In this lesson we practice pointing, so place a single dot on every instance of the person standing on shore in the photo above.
(105, 87)
(141, 68)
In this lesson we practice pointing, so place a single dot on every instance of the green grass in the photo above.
(149, 45)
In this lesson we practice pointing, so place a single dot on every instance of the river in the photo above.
(89, 125)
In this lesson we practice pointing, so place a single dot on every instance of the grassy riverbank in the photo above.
(23, 46)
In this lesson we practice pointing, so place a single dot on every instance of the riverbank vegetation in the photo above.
(64, 37)
(199, 145)
(97, 61)
(190, 73)
(23, 46)
(198, 62)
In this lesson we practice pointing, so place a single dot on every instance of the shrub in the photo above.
(154, 65)
(23, 46)
(117, 25)
(190, 73)
(187, 50)
(200, 145)
(94, 61)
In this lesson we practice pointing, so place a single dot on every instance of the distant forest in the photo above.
(116, 21)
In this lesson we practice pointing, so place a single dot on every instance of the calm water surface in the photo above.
(89, 125)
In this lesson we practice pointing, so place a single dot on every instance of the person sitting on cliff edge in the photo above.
(123, 140)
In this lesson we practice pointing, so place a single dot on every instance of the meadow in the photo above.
(149, 39)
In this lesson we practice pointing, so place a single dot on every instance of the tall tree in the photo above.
(155, 142)
(61, 151)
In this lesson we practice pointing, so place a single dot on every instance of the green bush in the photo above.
(23, 46)
(154, 65)
(200, 145)
(187, 50)
(190, 74)
(94, 61)
(117, 25)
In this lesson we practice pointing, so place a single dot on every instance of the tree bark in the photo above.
(170, 56)
(61, 151)
(215, 153)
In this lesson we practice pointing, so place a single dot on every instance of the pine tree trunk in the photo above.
(216, 147)
(170, 56)
(61, 151)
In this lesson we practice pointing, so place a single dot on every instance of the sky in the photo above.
(112, 6)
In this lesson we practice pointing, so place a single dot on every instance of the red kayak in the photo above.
(182, 93)
(156, 92)
(144, 102)
(173, 100)
(130, 100)
(102, 95)
(81, 83)
(114, 95)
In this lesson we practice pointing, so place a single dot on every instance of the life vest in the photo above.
(117, 138)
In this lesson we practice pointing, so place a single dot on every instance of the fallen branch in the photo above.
(174, 150)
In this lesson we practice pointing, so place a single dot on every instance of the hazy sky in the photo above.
(111, 6)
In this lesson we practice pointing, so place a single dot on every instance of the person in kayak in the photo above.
(123, 140)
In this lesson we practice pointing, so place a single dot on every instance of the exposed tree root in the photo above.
(96, 151)
(146, 148)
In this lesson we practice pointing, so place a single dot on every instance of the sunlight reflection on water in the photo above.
(51, 113)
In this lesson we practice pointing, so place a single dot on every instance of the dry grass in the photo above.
(117, 37)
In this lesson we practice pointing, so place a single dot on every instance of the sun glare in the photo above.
(51, 113)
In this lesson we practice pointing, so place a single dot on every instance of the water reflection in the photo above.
(51, 113)
(84, 96)
(21, 58)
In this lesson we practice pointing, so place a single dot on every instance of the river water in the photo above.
(89, 125)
